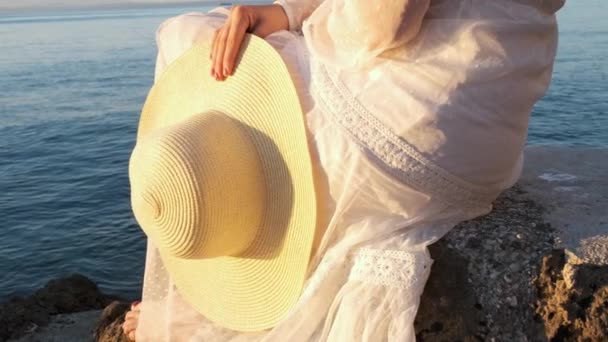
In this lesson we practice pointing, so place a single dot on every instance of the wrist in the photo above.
(282, 17)
(267, 19)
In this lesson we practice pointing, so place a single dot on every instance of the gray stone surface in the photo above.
(572, 185)
(76, 327)
(481, 286)
(560, 201)
(67, 295)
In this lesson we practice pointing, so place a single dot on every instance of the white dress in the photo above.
(418, 115)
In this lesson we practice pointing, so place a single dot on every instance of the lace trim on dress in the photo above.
(390, 152)
(390, 268)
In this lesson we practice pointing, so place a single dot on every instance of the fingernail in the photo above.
(226, 71)
(135, 303)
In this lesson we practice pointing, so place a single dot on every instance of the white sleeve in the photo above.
(381, 297)
(351, 33)
(297, 11)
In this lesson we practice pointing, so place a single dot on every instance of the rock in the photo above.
(72, 294)
(512, 301)
(66, 295)
(522, 290)
(19, 315)
(75, 327)
(495, 303)
(448, 308)
(515, 267)
(575, 310)
(109, 326)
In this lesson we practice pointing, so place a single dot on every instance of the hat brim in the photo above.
(255, 290)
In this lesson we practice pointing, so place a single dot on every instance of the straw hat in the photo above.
(221, 182)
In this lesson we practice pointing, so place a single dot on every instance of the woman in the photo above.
(417, 112)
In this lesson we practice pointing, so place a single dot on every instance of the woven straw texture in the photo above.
(222, 183)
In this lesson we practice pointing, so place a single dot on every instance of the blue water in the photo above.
(71, 88)
(574, 111)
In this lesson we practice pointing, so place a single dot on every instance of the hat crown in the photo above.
(198, 188)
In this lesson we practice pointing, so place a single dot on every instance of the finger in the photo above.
(213, 43)
(132, 315)
(126, 327)
(131, 335)
(234, 43)
(130, 319)
(214, 47)
(129, 325)
(129, 315)
(219, 54)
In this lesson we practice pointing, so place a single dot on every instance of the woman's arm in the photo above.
(260, 20)
(298, 10)
(351, 33)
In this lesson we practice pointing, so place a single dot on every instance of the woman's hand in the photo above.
(260, 20)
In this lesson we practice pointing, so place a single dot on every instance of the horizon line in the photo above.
(118, 6)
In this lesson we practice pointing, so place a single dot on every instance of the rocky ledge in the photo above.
(500, 278)
(54, 304)
(535, 269)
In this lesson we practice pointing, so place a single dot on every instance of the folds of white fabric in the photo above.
(370, 263)
(472, 74)
(297, 11)
(348, 34)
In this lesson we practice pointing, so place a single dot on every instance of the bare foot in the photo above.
(131, 319)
